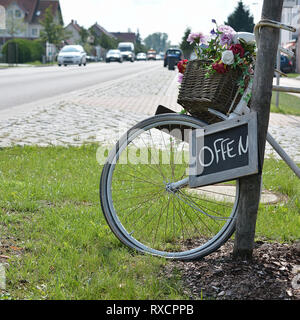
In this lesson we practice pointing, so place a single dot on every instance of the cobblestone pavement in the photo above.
(103, 112)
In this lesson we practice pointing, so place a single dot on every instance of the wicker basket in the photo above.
(197, 93)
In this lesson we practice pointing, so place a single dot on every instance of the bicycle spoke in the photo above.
(198, 216)
(200, 205)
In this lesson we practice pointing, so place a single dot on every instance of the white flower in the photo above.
(228, 57)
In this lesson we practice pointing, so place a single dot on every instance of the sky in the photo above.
(150, 16)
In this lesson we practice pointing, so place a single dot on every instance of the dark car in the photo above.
(172, 57)
(286, 64)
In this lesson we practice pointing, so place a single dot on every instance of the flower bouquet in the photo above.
(219, 75)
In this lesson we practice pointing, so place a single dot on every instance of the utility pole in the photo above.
(261, 99)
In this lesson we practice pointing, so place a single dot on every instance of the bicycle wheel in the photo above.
(141, 209)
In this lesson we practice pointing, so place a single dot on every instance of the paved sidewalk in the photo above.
(103, 112)
(289, 82)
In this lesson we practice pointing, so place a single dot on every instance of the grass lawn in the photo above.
(58, 245)
(293, 75)
(53, 231)
(39, 63)
(288, 104)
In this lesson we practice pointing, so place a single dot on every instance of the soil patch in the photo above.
(274, 274)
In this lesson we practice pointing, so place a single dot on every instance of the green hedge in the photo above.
(23, 50)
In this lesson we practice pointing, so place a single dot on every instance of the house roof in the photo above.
(41, 8)
(34, 9)
(125, 36)
(98, 29)
(28, 6)
(75, 25)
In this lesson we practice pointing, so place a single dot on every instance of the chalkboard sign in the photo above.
(223, 151)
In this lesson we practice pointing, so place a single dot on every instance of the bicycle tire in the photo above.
(125, 223)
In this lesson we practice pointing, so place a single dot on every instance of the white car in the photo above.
(141, 56)
(114, 55)
(71, 54)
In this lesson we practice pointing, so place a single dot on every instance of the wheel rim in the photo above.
(147, 216)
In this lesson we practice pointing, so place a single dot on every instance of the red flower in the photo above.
(220, 67)
(181, 65)
(237, 49)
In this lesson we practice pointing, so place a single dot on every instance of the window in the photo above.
(69, 49)
(18, 13)
(34, 32)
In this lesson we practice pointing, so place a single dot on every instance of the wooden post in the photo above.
(261, 99)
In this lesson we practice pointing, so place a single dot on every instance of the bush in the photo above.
(37, 50)
(23, 50)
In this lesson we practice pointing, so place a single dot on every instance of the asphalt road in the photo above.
(24, 85)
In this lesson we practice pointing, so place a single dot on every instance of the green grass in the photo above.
(281, 221)
(293, 75)
(59, 245)
(288, 104)
(33, 63)
(39, 63)
(50, 211)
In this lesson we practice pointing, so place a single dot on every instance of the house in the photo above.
(73, 29)
(125, 36)
(23, 18)
(291, 16)
(2, 18)
(98, 31)
(119, 36)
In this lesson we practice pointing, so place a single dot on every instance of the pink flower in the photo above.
(180, 77)
(227, 34)
(196, 37)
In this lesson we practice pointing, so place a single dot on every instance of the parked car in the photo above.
(172, 57)
(141, 56)
(162, 55)
(91, 58)
(114, 55)
(71, 54)
(286, 64)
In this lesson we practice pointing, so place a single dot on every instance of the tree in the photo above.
(53, 32)
(103, 40)
(84, 34)
(260, 103)
(107, 42)
(240, 19)
(14, 26)
(158, 41)
(185, 46)
(139, 47)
